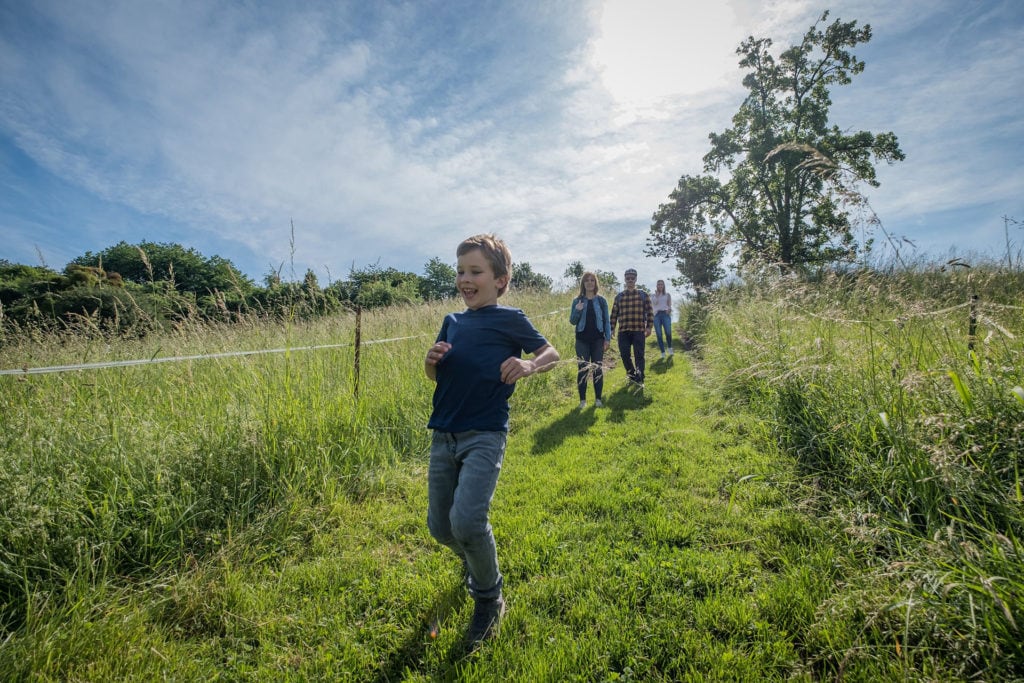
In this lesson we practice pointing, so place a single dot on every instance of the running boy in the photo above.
(476, 362)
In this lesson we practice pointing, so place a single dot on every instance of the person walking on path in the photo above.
(476, 362)
(633, 315)
(589, 313)
(661, 301)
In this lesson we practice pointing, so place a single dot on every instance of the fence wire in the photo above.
(177, 359)
(206, 356)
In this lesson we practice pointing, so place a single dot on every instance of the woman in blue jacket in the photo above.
(589, 313)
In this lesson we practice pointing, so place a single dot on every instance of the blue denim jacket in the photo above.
(579, 318)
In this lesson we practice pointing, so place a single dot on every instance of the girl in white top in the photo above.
(661, 301)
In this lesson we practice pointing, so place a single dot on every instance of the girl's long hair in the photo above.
(597, 283)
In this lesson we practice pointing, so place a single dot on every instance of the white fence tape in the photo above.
(175, 359)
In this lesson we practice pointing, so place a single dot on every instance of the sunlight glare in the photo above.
(649, 50)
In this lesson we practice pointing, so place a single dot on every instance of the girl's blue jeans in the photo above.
(461, 479)
(663, 321)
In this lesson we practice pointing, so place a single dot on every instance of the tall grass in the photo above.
(252, 517)
(914, 427)
(123, 472)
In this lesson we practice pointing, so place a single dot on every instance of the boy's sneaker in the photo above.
(598, 403)
(670, 350)
(583, 404)
(486, 621)
(662, 354)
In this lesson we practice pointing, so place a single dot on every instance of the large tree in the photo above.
(782, 185)
(154, 262)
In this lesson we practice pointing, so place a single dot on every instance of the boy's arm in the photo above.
(648, 317)
(434, 356)
(615, 314)
(514, 369)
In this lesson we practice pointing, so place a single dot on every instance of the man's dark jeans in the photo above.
(634, 362)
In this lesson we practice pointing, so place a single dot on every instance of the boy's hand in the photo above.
(516, 368)
(437, 352)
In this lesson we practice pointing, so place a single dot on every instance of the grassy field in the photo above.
(750, 516)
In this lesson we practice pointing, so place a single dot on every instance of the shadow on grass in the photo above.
(626, 398)
(415, 647)
(575, 422)
(661, 365)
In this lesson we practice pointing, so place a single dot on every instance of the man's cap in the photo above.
(630, 271)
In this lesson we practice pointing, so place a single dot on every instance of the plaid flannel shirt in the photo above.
(632, 311)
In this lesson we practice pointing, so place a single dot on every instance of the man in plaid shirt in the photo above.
(633, 313)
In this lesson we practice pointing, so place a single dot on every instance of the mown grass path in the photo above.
(646, 540)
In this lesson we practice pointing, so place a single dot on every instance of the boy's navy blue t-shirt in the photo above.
(470, 394)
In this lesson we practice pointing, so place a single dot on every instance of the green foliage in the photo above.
(167, 283)
(148, 262)
(607, 280)
(374, 287)
(161, 283)
(26, 282)
(524, 278)
(867, 380)
(14, 273)
(438, 281)
(103, 308)
(90, 276)
(574, 271)
(381, 293)
(87, 299)
(290, 300)
(792, 188)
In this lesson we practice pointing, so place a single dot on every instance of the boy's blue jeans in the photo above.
(463, 474)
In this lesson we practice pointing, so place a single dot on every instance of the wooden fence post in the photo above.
(972, 325)
(359, 323)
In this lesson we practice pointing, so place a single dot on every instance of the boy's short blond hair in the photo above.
(494, 250)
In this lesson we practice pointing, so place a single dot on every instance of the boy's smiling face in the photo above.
(475, 280)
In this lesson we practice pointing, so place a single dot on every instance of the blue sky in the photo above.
(386, 132)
